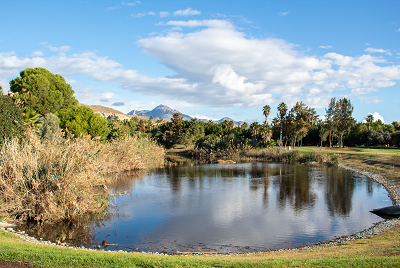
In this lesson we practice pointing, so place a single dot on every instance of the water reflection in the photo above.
(243, 207)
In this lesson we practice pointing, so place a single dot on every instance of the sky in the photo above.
(211, 59)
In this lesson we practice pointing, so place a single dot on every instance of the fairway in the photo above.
(380, 151)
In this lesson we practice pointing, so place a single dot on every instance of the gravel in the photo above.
(392, 189)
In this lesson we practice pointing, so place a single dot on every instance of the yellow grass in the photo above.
(65, 179)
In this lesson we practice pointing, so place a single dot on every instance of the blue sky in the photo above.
(211, 59)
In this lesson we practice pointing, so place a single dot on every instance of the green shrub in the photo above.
(12, 123)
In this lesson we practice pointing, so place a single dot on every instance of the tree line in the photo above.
(43, 101)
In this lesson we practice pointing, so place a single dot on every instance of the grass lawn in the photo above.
(366, 151)
(380, 251)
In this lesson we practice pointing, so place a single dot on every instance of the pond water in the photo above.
(243, 207)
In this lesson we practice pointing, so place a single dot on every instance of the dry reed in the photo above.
(65, 179)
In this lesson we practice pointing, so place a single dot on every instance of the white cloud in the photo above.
(187, 12)
(398, 30)
(200, 23)
(108, 95)
(378, 50)
(220, 66)
(176, 28)
(326, 47)
(61, 49)
(141, 15)
(37, 53)
(164, 14)
(376, 116)
(372, 99)
(200, 116)
(283, 13)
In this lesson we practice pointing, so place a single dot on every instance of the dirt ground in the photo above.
(14, 264)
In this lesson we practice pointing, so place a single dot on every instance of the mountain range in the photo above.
(166, 113)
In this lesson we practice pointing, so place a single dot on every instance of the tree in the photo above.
(141, 126)
(11, 121)
(282, 109)
(369, 119)
(330, 123)
(82, 120)
(42, 91)
(323, 131)
(175, 128)
(303, 117)
(255, 131)
(379, 137)
(343, 117)
(266, 111)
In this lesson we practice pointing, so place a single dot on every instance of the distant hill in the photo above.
(106, 111)
(161, 111)
(237, 123)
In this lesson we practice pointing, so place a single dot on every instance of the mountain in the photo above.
(161, 111)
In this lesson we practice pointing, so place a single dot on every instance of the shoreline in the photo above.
(377, 228)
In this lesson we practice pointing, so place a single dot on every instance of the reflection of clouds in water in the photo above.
(229, 208)
(237, 210)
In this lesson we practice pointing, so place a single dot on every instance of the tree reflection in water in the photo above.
(256, 204)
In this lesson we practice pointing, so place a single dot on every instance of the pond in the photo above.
(244, 207)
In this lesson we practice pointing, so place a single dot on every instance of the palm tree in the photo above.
(370, 118)
(266, 111)
(33, 119)
(254, 130)
(282, 109)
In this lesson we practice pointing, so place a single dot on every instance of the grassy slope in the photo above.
(379, 251)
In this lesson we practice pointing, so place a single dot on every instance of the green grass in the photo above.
(365, 151)
(380, 254)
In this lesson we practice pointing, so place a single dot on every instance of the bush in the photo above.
(79, 120)
(12, 123)
(50, 129)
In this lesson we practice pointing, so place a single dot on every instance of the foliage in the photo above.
(379, 137)
(343, 117)
(50, 130)
(32, 119)
(302, 119)
(42, 91)
(81, 120)
(11, 119)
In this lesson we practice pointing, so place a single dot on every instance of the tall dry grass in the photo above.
(65, 179)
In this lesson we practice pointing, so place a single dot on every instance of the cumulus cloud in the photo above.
(378, 50)
(283, 13)
(220, 66)
(187, 12)
(326, 47)
(376, 116)
(37, 53)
